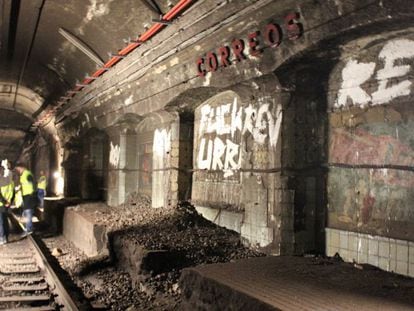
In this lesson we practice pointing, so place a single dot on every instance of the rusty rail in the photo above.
(27, 279)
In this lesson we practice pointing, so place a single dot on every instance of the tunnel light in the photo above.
(60, 183)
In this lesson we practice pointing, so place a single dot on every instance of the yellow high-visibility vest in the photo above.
(7, 192)
(27, 186)
(42, 183)
(18, 199)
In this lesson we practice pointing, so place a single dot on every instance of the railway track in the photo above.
(28, 281)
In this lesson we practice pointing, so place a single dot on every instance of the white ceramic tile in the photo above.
(373, 246)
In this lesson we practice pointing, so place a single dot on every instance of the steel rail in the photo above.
(56, 286)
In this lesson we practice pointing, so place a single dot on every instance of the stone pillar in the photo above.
(114, 175)
(130, 166)
(165, 160)
(161, 166)
(123, 160)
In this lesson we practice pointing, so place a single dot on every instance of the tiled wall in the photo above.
(386, 253)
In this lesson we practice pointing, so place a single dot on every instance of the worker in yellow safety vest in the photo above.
(6, 198)
(41, 188)
(28, 189)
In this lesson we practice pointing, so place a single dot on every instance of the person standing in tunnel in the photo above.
(27, 187)
(41, 188)
(6, 198)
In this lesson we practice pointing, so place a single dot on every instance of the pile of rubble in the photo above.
(136, 211)
(183, 230)
(179, 230)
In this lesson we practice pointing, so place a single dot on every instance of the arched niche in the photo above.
(86, 166)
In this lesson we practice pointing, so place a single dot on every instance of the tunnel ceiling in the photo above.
(49, 45)
(46, 46)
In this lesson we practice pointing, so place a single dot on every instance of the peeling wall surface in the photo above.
(277, 119)
(371, 142)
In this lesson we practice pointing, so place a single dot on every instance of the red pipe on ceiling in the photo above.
(154, 29)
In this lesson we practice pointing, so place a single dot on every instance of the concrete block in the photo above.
(344, 254)
(231, 220)
(266, 236)
(373, 246)
(393, 265)
(384, 248)
(393, 249)
(343, 239)
(226, 219)
(402, 251)
(257, 236)
(331, 251)
(353, 242)
(411, 270)
(373, 260)
(352, 256)
(328, 236)
(384, 263)
(246, 231)
(335, 238)
(363, 257)
(80, 229)
(402, 268)
(362, 245)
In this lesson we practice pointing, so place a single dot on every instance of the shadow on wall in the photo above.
(304, 151)
(86, 166)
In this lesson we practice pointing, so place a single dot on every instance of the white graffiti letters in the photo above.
(355, 74)
(392, 52)
(222, 152)
(204, 164)
(114, 154)
(232, 161)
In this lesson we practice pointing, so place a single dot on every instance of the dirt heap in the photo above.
(183, 230)
(177, 230)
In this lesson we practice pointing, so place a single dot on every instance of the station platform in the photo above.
(294, 283)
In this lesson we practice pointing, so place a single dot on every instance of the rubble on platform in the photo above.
(177, 229)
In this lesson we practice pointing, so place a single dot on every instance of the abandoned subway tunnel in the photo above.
(218, 154)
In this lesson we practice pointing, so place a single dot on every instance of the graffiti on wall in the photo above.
(221, 128)
(162, 142)
(114, 154)
(371, 176)
(361, 147)
(365, 196)
(391, 76)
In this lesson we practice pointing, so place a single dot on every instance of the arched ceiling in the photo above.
(46, 46)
